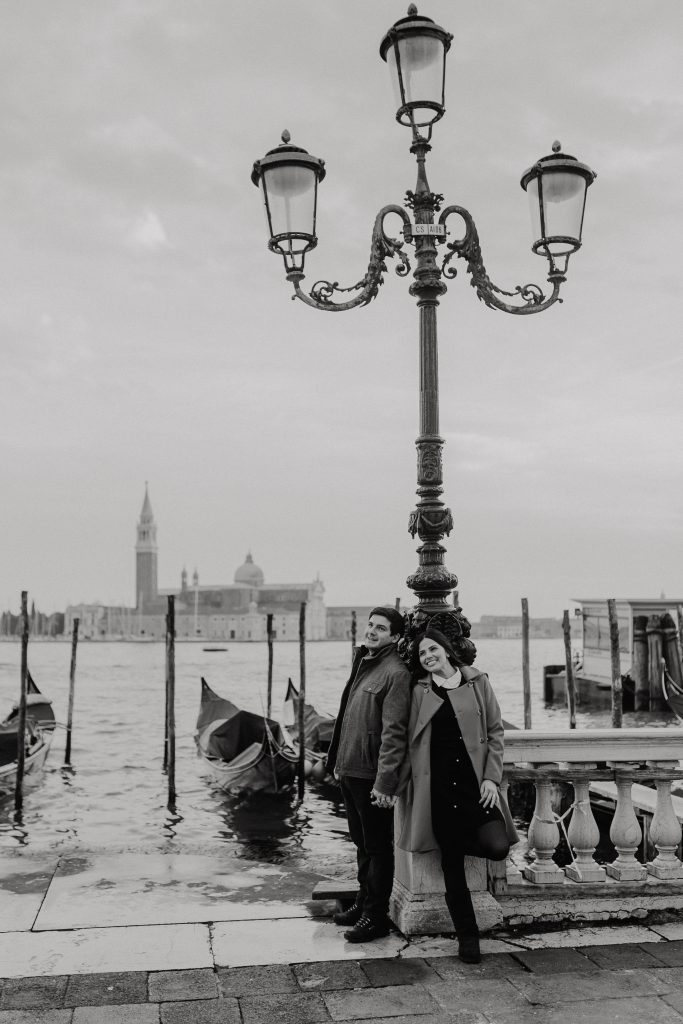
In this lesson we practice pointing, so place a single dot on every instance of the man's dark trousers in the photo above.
(372, 830)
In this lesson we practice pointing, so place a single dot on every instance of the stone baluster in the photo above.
(543, 837)
(665, 831)
(512, 872)
(625, 832)
(583, 832)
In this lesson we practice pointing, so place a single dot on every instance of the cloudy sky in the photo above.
(148, 334)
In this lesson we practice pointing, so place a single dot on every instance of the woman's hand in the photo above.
(489, 794)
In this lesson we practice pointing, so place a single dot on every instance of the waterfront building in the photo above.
(222, 611)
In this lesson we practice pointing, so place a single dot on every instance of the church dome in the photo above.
(249, 574)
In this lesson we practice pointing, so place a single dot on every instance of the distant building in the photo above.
(509, 627)
(224, 611)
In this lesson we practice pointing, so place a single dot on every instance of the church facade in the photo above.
(236, 611)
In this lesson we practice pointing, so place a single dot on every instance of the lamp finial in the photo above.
(285, 136)
(412, 11)
(557, 146)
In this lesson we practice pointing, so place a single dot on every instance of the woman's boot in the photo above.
(465, 924)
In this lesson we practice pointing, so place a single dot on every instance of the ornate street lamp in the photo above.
(415, 48)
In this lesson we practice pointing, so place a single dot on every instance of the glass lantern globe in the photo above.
(288, 177)
(557, 187)
(415, 49)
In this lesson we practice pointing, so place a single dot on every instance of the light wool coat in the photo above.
(481, 724)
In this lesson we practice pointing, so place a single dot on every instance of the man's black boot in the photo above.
(349, 917)
(368, 929)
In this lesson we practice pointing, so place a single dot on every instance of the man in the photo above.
(366, 753)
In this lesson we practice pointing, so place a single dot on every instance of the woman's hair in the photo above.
(459, 652)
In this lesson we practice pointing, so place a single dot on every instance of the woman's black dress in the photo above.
(456, 811)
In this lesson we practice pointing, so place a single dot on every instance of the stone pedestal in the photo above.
(417, 901)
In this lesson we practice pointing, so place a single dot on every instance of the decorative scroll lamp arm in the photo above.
(469, 249)
(381, 247)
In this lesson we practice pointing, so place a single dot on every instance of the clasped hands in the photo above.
(381, 800)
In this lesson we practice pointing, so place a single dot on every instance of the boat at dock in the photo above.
(40, 727)
(244, 752)
(651, 665)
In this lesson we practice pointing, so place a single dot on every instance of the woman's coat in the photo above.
(481, 724)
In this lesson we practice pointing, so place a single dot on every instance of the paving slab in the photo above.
(457, 1017)
(257, 980)
(218, 1011)
(567, 988)
(431, 946)
(554, 961)
(624, 955)
(24, 882)
(302, 1008)
(331, 974)
(146, 1013)
(293, 941)
(585, 937)
(675, 1000)
(487, 997)
(389, 1001)
(604, 1011)
(41, 993)
(672, 977)
(673, 930)
(500, 965)
(106, 989)
(35, 1016)
(98, 950)
(100, 891)
(398, 972)
(670, 953)
(174, 986)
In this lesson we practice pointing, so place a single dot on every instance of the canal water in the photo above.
(114, 796)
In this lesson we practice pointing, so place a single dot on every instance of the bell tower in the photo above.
(146, 558)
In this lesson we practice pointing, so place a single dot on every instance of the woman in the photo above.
(453, 802)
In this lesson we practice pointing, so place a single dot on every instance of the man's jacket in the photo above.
(371, 730)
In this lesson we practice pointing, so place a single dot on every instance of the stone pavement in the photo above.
(628, 983)
(168, 939)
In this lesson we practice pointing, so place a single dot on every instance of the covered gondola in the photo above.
(40, 726)
(318, 728)
(244, 752)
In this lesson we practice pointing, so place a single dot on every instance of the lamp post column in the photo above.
(431, 520)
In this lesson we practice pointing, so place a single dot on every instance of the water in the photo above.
(115, 795)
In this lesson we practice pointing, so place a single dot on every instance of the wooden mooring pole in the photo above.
(302, 699)
(569, 669)
(21, 723)
(655, 652)
(72, 686)
(617, 701)
(526, 679)
(269, 634)
(170, 699)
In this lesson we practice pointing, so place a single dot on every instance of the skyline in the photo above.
(148, 334)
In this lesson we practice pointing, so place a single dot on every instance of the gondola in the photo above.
(318, 728)
(244, 752)
(40, 727)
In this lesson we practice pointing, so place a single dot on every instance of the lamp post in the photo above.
(415, 49)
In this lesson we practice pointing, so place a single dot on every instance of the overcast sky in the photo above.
(148, 334)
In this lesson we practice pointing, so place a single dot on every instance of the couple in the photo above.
(439, 722)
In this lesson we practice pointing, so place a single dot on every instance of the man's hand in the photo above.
(489, 794)
(382, 801)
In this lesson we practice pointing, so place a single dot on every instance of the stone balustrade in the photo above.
(624, 756)
(584, 890)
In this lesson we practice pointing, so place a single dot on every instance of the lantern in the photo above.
(289, 177)
(557, 187)
(415, 49)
